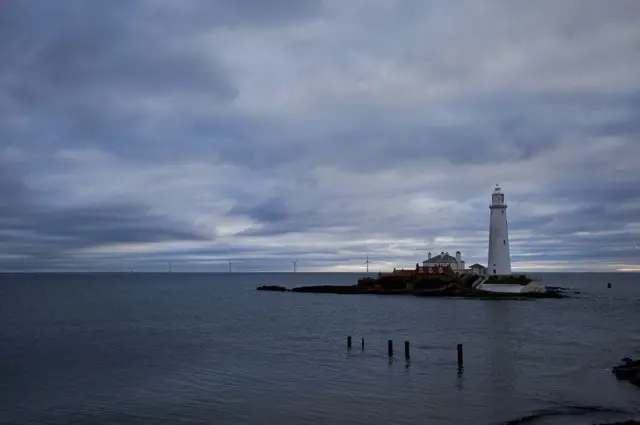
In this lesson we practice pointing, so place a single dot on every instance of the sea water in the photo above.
(174, 348)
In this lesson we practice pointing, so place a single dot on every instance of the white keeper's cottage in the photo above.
(444, 259)
(478, 269)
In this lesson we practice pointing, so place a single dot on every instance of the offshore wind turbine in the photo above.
(367, 263)
(229, 265)
(295, 264)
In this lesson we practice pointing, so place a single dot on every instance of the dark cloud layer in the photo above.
(39, 235)
(140, 132)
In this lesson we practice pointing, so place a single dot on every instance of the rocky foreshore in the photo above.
(448, 290)
(437, 282)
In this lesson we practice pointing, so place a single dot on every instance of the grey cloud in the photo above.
(504, 83)
(499, 129)
(106, 224)
(596, 217)
(12, 192)
(232, 13)
(86, 227)
(607, 195)
(77, 65)
(270, 211)
(300, 223)
(80, 69)
(42, 235)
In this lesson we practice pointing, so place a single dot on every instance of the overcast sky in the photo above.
(134, 133)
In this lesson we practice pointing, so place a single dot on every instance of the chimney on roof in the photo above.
(458, 257)
(429, 256)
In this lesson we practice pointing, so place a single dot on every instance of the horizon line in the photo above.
(276, 272)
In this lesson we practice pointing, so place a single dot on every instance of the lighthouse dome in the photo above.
(497, 198)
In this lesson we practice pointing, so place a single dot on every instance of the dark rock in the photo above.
(408, 282)
(425, 289)
(329, 289)
(431, 283)
(272, 288)
(628, 371)
(468, 280)
(514, 279)
(354, 289)
(391, 283)
(367, 282)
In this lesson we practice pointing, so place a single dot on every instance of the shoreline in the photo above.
(428, 282)
(448, 291)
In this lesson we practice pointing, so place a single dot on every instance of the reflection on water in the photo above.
(502, 348)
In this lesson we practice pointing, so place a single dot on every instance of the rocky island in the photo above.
(440, 282)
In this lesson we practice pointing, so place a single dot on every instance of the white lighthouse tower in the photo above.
(499, 255)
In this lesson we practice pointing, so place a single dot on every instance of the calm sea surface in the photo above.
(209, 349)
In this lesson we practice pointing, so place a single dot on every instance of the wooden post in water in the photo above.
(349, 342)
(460, 356)
(362, 344)
(390, 348)
(406, 350)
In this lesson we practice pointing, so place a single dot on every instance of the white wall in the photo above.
(478, 271)
(499, 261)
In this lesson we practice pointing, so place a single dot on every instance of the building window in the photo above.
(504, 242)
